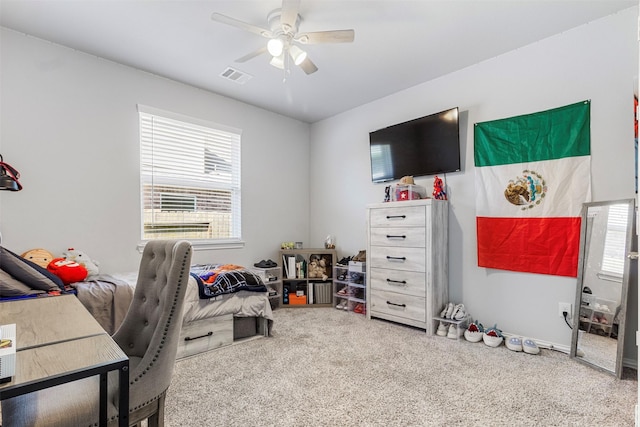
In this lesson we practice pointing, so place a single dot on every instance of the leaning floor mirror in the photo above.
(605, 258)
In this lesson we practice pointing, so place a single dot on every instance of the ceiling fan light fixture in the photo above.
(298, 55)
(275, 47)
(278, 61)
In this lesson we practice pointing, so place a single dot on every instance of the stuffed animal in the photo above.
(83, 259)
(39, 256)
(318, 269)
(68, 271)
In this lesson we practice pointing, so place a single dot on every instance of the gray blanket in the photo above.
(106, 298)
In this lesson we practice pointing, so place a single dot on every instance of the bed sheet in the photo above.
(240, 304)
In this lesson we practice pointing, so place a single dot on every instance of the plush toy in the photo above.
(38, 256)
(68, 271)
(318, 269)
(83, 259)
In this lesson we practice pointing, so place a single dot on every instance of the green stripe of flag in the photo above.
(546, 135)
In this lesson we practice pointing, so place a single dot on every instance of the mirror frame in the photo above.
(625, 284)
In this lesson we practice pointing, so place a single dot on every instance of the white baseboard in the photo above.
(626, 362)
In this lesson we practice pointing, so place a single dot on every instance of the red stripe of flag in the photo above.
(533, 245)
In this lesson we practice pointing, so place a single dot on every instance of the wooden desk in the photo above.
(46, 320)
(62, 343)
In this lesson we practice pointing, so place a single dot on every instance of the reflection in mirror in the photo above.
(603, 278)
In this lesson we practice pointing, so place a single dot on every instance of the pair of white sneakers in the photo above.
(526, 345)
(453, 311)
(450, 332)
(343, 304)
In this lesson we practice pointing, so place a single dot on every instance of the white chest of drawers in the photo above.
(407, 261)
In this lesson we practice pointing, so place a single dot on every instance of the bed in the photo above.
(224, 303)
(234, 306)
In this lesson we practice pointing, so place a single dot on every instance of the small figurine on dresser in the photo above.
(438, 189)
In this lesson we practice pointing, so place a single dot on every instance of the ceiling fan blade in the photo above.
(336, 36)
(253, 54)
(308, 66)
(218, 17)
(289, 13)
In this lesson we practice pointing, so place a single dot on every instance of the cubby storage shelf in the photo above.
(307, 277)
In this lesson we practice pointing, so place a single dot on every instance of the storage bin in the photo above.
(357, 266)
(297, 300)
(322, 293)
(409, 192)
(244, 327)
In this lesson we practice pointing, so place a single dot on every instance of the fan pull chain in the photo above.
(286, 70)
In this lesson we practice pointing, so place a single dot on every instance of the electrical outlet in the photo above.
(564, 306)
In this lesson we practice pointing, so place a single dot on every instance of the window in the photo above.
(190, 179)
(615, 241)
(381, 163)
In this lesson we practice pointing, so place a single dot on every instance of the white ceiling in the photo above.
(398, 43)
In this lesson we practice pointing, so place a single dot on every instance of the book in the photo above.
(291, 272)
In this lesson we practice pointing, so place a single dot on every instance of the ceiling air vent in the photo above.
(236, 75)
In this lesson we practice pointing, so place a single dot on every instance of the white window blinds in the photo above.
(190, 178)
(381, 163)
(615, 240)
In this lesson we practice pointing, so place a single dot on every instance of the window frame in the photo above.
(236, 240)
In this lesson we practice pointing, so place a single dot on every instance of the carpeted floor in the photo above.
(326, 367)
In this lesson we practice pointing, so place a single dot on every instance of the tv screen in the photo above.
(429, 145)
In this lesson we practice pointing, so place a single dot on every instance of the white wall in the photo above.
(69, 124)
(597, 61)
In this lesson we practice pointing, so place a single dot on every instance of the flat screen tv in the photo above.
(429, 145)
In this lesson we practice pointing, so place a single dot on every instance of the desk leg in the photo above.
(103, 400)
(123, 404)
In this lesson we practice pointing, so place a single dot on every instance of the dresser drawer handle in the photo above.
(397, 258)
(396, 216)
(391, 236)
(402, 282)
(201, 336)
(397, 305)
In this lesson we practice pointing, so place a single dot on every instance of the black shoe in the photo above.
(345, 260)
(271, 263)
(261, 264)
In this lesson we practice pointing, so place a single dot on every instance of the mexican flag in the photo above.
(533, 173)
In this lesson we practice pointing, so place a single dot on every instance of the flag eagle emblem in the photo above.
(526, 191)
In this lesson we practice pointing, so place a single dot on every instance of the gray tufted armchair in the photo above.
(149, 335)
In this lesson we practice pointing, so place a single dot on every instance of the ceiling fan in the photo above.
(284, 38)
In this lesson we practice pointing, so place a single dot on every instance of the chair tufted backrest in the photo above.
(150, 331)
